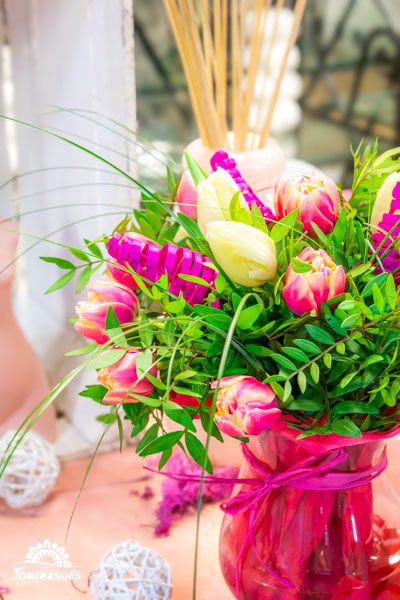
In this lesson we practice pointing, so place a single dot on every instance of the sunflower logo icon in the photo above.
(47, 553)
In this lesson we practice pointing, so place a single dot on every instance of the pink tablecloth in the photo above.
(108, 513)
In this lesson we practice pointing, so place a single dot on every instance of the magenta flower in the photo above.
(92, 314)
(245, 406)
(387, 234)
(122, 379)
(304, 292)
(151, 261)
(317, 201)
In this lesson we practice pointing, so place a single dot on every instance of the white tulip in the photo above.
(214, 196)
(246, 254)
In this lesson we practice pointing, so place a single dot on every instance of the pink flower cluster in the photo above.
(245, 406)
(317, 201)
(304, 292)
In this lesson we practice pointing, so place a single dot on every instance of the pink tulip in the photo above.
(186, 195)
(316, 199)
(121, 379)
(244, 406)
(304, 292)
(92, 314)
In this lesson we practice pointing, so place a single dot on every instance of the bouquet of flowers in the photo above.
(277, 325)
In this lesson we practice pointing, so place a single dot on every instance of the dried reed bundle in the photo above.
(211, 39)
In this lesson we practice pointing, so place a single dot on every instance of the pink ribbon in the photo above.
(312, 474)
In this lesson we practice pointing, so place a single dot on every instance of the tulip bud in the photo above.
(92, 314)
(316, 199)
(304, 292)
(245, 406)
(214, 196)
(246, 254)
(384, 198)
(122, 379)
(186, 196)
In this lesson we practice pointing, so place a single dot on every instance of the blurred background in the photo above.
(107, 74)
(349, 63)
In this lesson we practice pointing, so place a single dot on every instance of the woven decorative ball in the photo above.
(31, 473)
(130, 571)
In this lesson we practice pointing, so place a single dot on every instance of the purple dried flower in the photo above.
(152, 261)
(179, 496)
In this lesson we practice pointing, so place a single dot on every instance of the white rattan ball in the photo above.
(31, 473)
(130, 571)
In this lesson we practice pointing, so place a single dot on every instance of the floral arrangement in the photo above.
(256, 316)
(276, 325)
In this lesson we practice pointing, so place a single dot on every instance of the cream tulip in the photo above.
(214, 196)
(384, 198)
(246, 254)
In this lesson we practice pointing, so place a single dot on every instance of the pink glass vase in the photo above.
(334, 544)
(23, 382)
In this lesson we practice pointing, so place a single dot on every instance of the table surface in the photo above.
(108, 513)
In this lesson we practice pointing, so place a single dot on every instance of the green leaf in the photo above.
(327, 358)
(168, 440)
(347, 428)
(391, 292)
(107, 358)
(284, 362)
(80, 254)
(340, 348)
(347, 406)
(82, 350)
(305, 404)
(296, 354)
(194, 279)
(143, 363)
(320, 235)
(197, 451)
(299, 266)
(249, 316)
(95, 392)
(346, 379)
(283, 227)
(107, 419)
(351, 321)
(196, 171)
(168, 333)
(307, 346)
(149, 436)
(171, 180)
(319, 335)
(60, 262)
(83, 278)
(178, 414)
(120, 432)
(314, 372)
(165, 456)
(60, 283)
(379, 300)
(302, 381)
(94, 249)
(287, 390)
